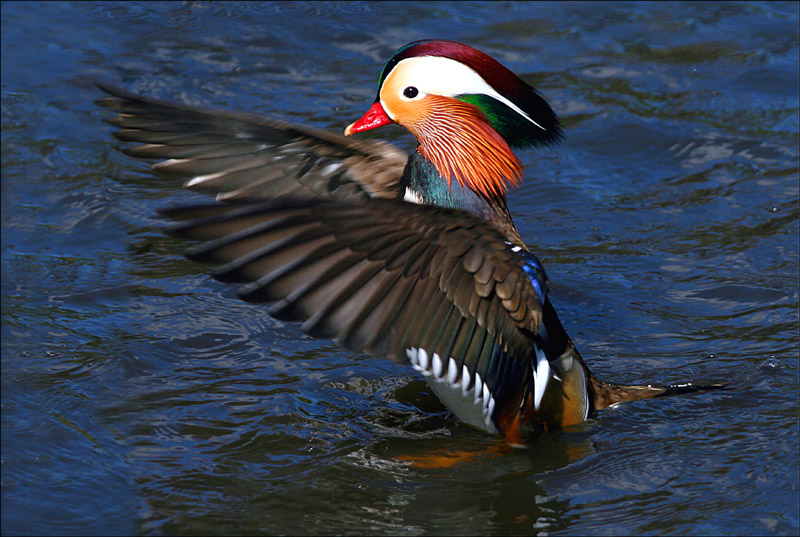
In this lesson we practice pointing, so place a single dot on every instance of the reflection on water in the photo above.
(139, 396)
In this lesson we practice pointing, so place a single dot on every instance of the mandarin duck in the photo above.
(414, 258)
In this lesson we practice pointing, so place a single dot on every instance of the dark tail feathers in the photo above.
(607, 394)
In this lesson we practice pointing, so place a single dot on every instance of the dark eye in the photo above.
(411, 92)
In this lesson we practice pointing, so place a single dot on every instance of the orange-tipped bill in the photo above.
(375, 117)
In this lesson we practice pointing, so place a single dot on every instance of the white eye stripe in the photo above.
(443, 76)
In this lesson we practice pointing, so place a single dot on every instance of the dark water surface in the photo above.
(139, 396)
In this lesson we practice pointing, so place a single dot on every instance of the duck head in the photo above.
(466, 111)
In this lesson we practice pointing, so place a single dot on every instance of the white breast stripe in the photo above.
(541, 374)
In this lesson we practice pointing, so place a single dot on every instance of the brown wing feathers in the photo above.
(245, 157)
(382, 275)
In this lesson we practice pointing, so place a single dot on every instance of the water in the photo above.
(139, 396)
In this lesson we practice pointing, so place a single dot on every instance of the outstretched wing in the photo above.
(435, 286)
(246, 157)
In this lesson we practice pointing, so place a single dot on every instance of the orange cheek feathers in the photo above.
(460, 142)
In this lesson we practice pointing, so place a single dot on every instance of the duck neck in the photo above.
(424, 184)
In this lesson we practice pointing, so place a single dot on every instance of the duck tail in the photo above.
(607, 394)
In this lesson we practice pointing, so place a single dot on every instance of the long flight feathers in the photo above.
(246, 157)
(351, 271)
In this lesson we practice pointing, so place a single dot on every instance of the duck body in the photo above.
(413, 258)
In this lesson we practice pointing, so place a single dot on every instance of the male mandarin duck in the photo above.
(412, 258)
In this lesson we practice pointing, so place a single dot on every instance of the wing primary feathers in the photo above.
(246, 157)
(383, 276)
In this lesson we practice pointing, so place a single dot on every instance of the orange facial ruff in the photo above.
(457, 138)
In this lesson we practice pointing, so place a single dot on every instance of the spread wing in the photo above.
(246, 157)
(385, 277)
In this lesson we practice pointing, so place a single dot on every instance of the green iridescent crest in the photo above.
(517, 130)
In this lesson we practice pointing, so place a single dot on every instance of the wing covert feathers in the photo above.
(379, 276)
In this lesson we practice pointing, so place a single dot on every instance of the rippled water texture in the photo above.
(139, 396)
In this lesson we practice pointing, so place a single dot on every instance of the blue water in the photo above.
(139, 396)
